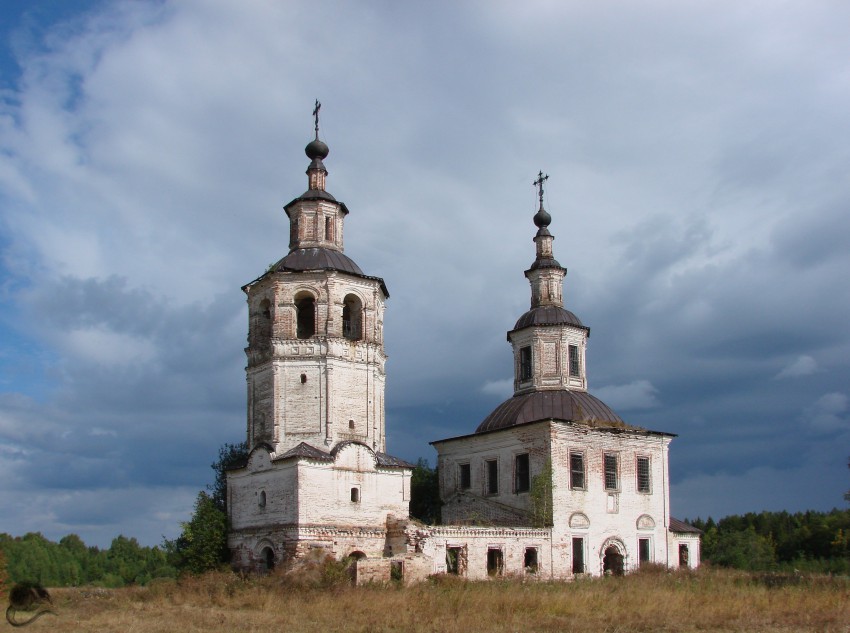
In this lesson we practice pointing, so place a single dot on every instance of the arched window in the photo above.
(329, 229)
(305, 306)
(262, 499)
(263, 323)
(352, 314)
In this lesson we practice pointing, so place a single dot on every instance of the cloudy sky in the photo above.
(699, 156)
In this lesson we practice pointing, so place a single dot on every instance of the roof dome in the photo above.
(316, 149)
(562, 404)
(318, 259)
(549, 315)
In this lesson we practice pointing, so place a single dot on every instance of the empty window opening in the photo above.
(612, 562)
(578, 555)
(530, 562)
(643, 480)
(525, 363)
(397, 570)
(577, 471)
(355, 495)
(329, 229)
(305, 306)
(643, 551)
(351, 424)
(454, 560)
(352, 310)
(357, 555)
(522, 479)
(574, 361)
(684, 557)
(610, 460)
(261, 501)
(267, 556)
(495, 561)
(293, 232)
(492, 477)
(303, 378)
(465, 476)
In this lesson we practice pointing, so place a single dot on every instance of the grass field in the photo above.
(709, 600)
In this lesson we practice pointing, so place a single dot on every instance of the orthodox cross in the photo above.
(539, 184)
(316, 116)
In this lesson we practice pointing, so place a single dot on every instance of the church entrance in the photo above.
(612, 562)
(268, 559)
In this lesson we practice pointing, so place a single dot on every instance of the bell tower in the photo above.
(548, 341)
(315, 352)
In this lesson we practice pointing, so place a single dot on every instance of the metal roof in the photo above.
(561, 404)
(680, 527)
(548, 315)
(318, 258)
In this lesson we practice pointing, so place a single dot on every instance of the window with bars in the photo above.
(610, 460)
(577, 471)
(522, 478)
(574, 361)
(643, 479)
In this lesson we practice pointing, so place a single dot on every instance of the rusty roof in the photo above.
(305, 450)
(548, 315)
(680, 527)
(561, 404)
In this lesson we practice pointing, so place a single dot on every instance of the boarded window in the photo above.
(495, 561)
(492, 477)
(643, 480)
(574, 361)
(525, 363)
(578, 555)
(522, 479)
(577, 471)
(610, 471)
(643, 550)
(530, 562)
(293, 232)
(465, 476)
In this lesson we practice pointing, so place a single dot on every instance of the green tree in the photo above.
(425, 493)
(229, 456)
(4, 576)
(541, 497)
(743, 549)
(202, 544)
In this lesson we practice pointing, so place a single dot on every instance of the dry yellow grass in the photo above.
(710, 600)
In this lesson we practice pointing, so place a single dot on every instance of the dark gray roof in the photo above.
(388, 461)
(318, 259)
(545, 262)
(548, 315)
(561, 404)
(680, 527)
(305, 450)
(315, 194)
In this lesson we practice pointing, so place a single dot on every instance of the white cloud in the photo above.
(803, 366)
(503, 388)
(639, 394)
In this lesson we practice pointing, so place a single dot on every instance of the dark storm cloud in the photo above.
(698, 194)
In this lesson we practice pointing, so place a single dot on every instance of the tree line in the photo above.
(803, 541)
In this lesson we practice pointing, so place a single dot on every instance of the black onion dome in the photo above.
(316, 149)
(318, 259)
(564, 405)
(548, 315)
(542, 219)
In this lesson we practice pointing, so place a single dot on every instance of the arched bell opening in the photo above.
(305, 308)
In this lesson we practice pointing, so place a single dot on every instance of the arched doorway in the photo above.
(613, 562)
(267, 556)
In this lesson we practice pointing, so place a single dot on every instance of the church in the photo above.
(552, 483)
